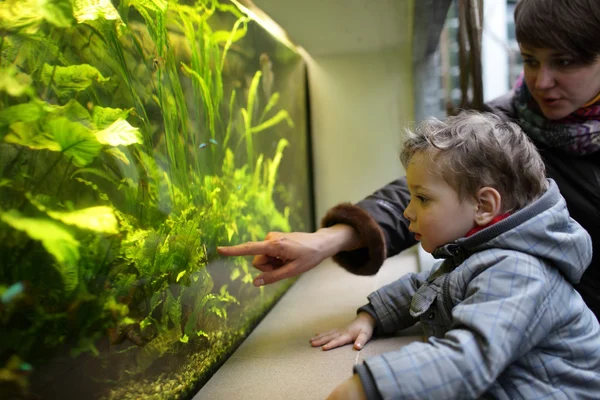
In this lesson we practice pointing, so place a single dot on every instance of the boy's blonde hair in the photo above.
(473, 150)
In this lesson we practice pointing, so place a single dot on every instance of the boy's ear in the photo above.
(489, 204)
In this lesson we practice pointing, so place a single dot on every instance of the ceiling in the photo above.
(334, 27)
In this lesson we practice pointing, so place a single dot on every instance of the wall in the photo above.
(359, 105)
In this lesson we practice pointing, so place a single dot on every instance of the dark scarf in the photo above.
(578, 133)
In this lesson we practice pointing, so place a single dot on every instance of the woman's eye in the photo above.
(530, 62)
(564, 62)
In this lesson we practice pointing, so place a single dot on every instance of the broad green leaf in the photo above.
(57, 240)
(91, 10)
(184, 339)
(56, 12)
(13, 82)
(73, 111)
(75, 140)
(27, 15)
(72, 79)
(27, 134)
(120, 133)
(26, 112)
(103, 117)
(97, 219)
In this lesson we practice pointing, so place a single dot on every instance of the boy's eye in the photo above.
(422, 199)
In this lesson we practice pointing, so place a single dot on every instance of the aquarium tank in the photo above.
(135, 137)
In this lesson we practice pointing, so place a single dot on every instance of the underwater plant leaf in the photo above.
(119, 155)
(14, 82)
(119, 133)
(94, 187)
(27, 134)
(57, 241)
(180, 275)
(97, 219)
(67, 81)
(73, 111)
(103, 117)
(94, 171)
(231, 230)
(230, 37)
(272, 103)
(26, 112)
(252, 96)
(26, 15)
(56, 12)
(184, 339)
(235, 274)
(75, 140)
(153, 5)
(206, 95)
(277, 118)
(274, 165)
(91, 10)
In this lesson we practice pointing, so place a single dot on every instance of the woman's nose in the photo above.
(544, 78)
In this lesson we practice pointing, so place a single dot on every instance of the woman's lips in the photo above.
(552, 101)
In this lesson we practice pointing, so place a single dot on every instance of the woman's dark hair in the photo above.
(569, 26)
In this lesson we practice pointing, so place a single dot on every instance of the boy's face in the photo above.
(436, 214)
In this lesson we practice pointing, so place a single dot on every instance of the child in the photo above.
(500, 312)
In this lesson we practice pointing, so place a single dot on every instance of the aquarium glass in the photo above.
(135, 137)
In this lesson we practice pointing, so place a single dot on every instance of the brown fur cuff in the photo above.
(363, 261)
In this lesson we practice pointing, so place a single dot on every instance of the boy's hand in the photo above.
(359, 331)
(350, 389)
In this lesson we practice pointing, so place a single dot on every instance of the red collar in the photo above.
(497, 218)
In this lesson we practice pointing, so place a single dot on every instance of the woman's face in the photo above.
(557, 83)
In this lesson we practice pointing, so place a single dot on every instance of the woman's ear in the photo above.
(489, 204)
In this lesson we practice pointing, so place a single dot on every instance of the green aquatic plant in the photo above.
(120, 174)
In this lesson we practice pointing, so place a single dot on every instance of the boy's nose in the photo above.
(408, 213)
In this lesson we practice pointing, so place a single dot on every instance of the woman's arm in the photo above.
(379, 221)
(359, 237)
(283, 255)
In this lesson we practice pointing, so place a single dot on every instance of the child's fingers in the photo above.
(338, 341)
(323, 338)
(361, 340)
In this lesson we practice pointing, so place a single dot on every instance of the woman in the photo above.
(556, 102)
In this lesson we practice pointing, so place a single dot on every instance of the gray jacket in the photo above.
(501, 314)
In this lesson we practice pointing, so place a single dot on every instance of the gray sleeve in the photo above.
(366, 378)
(391, 303)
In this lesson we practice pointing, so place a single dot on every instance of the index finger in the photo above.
(247, 249)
